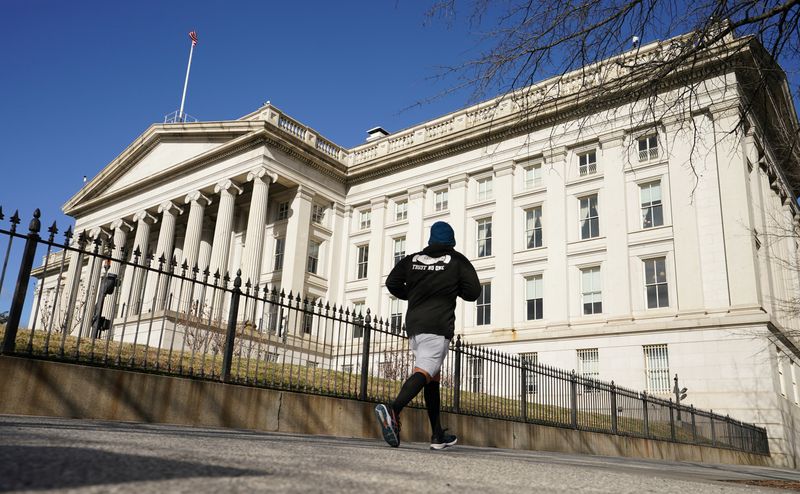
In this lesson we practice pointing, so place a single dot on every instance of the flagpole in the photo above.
(186, 82)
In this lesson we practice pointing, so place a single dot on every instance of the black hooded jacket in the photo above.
(431, 280)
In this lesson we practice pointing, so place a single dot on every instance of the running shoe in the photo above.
(443, 440)
(390, 426)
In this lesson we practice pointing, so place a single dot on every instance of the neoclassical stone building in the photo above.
(626, 239)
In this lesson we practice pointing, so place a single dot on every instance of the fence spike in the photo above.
(237, 283)
(53, 228)
(1, 213)
(14, 220)
(68, 235)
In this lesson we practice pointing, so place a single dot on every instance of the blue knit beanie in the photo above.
(442, 234)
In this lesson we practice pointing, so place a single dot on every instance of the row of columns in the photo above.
(140, 288)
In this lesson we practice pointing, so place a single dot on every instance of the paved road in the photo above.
(39, 454)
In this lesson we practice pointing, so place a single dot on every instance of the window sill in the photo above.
(598, 175)
(437, 214)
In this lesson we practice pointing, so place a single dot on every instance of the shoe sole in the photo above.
(384, 420)
(443, 445)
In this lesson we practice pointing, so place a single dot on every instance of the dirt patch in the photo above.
(790, 485)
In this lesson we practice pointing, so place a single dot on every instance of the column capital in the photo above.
(169, 207)
(504, 168)
(198, 197)
(379, 202)
(227, 185)
(145, 217)
(555, 154)
(459, 180)
(95, 232)
(123, 225)
(416, 192)
(263, 173)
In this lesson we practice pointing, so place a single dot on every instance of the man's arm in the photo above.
(469, 286)
(396, 281)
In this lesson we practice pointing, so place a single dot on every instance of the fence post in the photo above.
(671, 420)
(362, 393)
(230, 337)
(644, 415)
(523, 397)
(713, 432)
(23, 279)
(613, 408)
(694, 425)
(457, 376)
(573, 398)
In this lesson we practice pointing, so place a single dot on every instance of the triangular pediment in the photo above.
(158, 150)
(164, 155)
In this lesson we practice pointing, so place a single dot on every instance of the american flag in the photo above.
(193, 36)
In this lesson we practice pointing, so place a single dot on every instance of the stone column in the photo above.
(95, 266)
(297, 237)
(72, 284)
(194, 227)
(204, 253)
(556, 276)
(133, 278)
(121, 229)
(375, 267)
(166, 242)
(614, 226)
(416, 214)
(503, 233)
(457, 205)
(221, 246)
(256, 222)
(337, 270)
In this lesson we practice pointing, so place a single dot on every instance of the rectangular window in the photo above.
(484, 237)
(655, 282)
(656, 369)
(365, 219)
(648, 148)
(275, 322)
(475, 366)
(781, 378)
(589, 366)
(534, 298)
(399, 249)
(361, 265)
(587, 163)
(283, 210)
(317, 213)
(440, 200)
(484, 305)
(358, 319)
(485, 189)
(396, 315)
(652, 212)
(533, 227)
(313, 256)
(590, 219)
(794, 383)
(308, 315)
(530, 360)
(592, 294)
(280, 246)
(533, 176)
(400, 210)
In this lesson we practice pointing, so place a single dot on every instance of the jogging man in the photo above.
(430, 280)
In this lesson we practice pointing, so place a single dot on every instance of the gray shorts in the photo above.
(429, 351)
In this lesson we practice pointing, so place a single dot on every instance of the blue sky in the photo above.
(81, 80)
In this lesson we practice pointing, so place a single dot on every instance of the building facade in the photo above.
(626, 239)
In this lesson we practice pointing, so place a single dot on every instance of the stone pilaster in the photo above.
(297, 237)
(375, 261)
(503, 227)
(416, 215)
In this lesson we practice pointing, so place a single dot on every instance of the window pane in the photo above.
(658, 216)
(655, 192)
(652, 297)
(663, 297)
(649, 271)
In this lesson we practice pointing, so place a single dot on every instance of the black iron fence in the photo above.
(96, 303)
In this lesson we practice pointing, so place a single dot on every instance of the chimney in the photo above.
(376, 133)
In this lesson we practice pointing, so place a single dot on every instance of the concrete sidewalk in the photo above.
(39, 454)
